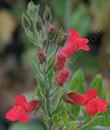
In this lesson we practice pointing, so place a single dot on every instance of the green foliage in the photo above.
(60, 117)
(97, 83)
(86, 116)
(101, 119)
(77, 83)
(73, 111)
(50, 62)
(106, 118)
(27, 126)
(33, 11)
(93, 122)
(72, 125)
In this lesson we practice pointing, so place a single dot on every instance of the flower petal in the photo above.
(14, 113)
(22, 101)
(75, 98)
(83, 44)
(74, 33)
(24, 118)
(101, 104)
(91, 107)
(91, 93)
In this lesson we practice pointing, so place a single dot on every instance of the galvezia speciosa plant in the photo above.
(62, 104)
(22, 109)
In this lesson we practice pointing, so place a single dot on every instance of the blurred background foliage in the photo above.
(89, 17)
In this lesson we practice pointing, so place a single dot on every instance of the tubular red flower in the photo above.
(92, 103)
(60, 61)
(96, 105)
(75, 98)
(21, 109)
(75, 43)
(62, 76)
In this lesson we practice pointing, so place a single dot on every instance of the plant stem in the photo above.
(48, 43)
(50, 127)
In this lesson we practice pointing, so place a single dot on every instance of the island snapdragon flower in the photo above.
(21, 109)
(90, 100)
(74, 44)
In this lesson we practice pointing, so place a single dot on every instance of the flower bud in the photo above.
(62, 76)
(47, 14)
(41, 56)
(60, 61)
(53, 29)
(61, 39)
(39, 24)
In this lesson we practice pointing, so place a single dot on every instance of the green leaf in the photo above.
(86, 116)
(60, 117)
(50, 77)
(72, 126)
(77, 82)
(33, 11)
(50, 62)
(97, 120)
(102, 119)
(73, 111)
(25, 21)
(106, 119)
(97, 82)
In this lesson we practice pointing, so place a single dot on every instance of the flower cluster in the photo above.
(21, 109)
(90, 100)
(74, 43)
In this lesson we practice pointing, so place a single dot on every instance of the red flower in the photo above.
(93, 103)
(75, 98)
(60, 61)
(75, 43)
(21, 109)
(90, 93)
(62, 76)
